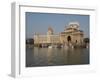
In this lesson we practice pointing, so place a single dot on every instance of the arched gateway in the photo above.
(69, 38)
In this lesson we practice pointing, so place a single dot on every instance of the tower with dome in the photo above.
(71, 34)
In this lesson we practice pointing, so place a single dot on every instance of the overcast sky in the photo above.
(39, 22)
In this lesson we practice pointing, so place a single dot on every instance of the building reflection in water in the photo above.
(56, 56)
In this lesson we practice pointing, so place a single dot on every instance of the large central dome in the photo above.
(50, 29)
(74, 25)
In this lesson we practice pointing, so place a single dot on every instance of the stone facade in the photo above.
(71, 34)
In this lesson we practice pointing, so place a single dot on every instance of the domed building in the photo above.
(71, 34)
(49, 38)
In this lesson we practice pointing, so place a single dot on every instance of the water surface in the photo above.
(56, 56)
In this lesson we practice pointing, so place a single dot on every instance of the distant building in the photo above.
(71, 34)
